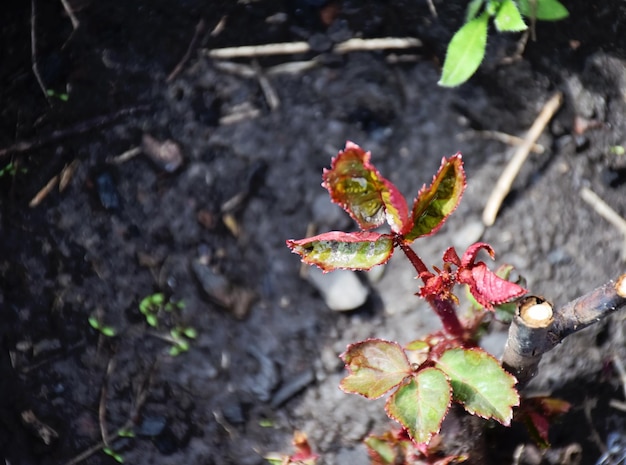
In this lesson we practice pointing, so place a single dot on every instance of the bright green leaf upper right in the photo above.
(545, 10)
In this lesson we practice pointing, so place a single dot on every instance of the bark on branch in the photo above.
(538, 328)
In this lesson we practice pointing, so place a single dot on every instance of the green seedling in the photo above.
(467, 48)
(160, 311)
(11, 169)
(180, 337)
(62, 96)
(105, 330)
(154, 305)
(110, 452)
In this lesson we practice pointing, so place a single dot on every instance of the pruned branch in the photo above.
(538, 328)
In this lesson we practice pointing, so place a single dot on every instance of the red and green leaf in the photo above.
(390, 448)
(485, 286)
(434, 204)
(421, 404)
(336, 249)
(374, 367)
(480, 383)
(357, 186)
(304, 455)
(537, 413)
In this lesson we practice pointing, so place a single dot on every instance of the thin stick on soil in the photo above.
(102, 408)
(538, 328)
(33, 50)
(124, 156)
(268, 91)
(605, 211)
(70, 13)
(294, 48)
(79, 128)
(44, 191)
(140, 399)
(501, 137)
(194, 40)
(503, 186)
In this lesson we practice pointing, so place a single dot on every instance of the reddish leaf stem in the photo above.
(417, 262)
(443, 308)
(446, 313)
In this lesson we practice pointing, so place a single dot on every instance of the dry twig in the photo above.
(194, 40)
(501, 137)
(268, 91)
(44, 191)
(140, 399)
(70, 13)
(33, 50)
(503, 186)
(606, 212)
(292, 48)
(79, 128)
(102, 407)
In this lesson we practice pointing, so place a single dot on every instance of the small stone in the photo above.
(165, 154)
(107, 191)
(151, 426)
(341, 290)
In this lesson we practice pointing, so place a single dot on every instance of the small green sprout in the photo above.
(158, 309)
(152, 305)
(11, 169)
(179, 338)
(125, 433)
(62, 96)
(117, 457)
(105, 330)
(618, 150)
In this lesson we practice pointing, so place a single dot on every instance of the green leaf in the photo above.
(94, 323)
(435, 203)
(152, 320)
(126, 433)
(191, 333)
(375, 366)
(545, 10)
(108, 331)
(336, 249)
(357, 186)
(508, 18)
(390, 448)
(421, 404)
(480, 384)
(465, 52)
(473, 8)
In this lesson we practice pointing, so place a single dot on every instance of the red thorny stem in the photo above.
(443, 308)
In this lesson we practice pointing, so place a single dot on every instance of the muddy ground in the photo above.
(211, 231)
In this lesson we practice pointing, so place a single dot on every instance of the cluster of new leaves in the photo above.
(424, 377)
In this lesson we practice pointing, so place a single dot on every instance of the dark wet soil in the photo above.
(210, 231)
